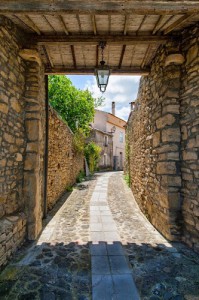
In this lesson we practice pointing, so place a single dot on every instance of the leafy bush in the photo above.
(80, 177)
(92, 153)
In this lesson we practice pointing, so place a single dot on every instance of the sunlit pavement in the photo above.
(98, 245)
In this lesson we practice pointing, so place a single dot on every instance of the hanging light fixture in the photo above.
(103, 72)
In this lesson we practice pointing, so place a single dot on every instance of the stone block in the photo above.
(32, 129)
(31, 162)
(156, 139)
(15, 105)
(167, 120)
(8, 138)
(190, 155)
(166, 167)
(3, 108)
(174, 109)
(19, 157)
(171, 135)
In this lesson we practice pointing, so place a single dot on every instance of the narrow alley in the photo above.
(98, 245)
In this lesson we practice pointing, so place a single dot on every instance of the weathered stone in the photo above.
(3, 108)
(171, 135)
(165, 121)
(8, 138)
(156, 139)
(15, 105)
(19, 157)
(190, 155)
(166, 167)
(32, 129)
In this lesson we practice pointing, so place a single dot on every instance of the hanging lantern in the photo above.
(103, 72)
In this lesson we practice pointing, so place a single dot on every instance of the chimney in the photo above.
(132, 105)
(113, 108)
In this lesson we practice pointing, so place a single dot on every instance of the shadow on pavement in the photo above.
(63, 272)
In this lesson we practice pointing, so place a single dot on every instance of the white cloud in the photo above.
(121, 89)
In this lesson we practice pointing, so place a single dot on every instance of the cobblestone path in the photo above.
(91, 247)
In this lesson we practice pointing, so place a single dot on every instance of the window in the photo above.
(121, 137)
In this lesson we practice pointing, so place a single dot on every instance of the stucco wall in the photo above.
(64, 163)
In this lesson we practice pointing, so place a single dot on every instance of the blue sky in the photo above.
(121, 89)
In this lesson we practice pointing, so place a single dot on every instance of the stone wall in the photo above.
(22, 132)
(190, 137)
(163, 143)
(64, 163)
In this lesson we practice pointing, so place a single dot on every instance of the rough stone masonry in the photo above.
(163, 142)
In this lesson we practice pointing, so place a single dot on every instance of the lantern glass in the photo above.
(102, 76)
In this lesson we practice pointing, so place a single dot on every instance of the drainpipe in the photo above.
(46, 149)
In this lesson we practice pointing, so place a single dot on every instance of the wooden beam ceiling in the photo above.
(83, 71)
(95, 39)
(104, 7)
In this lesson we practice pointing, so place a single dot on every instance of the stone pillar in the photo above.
(33, 166)
(168, 161)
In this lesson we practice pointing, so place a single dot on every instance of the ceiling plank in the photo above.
(109, 24)
(178, 23)
(95, 39)
(73, 55)
(122, 56)
(48, 58)
(87, 71)
(145, 56)
(140, 26)
(23, 23)
(61, 19)
(126, 24)
(155, 29)
(167, 21)
(49, 24)
(132, 55)
(33, 25)
(94, 24)
(84, 6)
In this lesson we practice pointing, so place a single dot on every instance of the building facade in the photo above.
(108, 131)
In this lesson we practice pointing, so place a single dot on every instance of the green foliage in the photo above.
(76, 107)
(69, 188)
(127, 179)
(98, 101)
(79, 141)
(92, 153)
(80, 177)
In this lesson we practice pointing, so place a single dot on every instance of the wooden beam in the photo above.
(122, 56)
(155, 29)
(95, 39)
(132, 55)
(79, 23)
(49, 24)
(144, 18)
(178, 23)
(97, 56)
(48, 58)
(145, 56)
(73, 55)
(87, 71)
(126, 24)
(143, 7)
(94, 24)
(61, 19)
